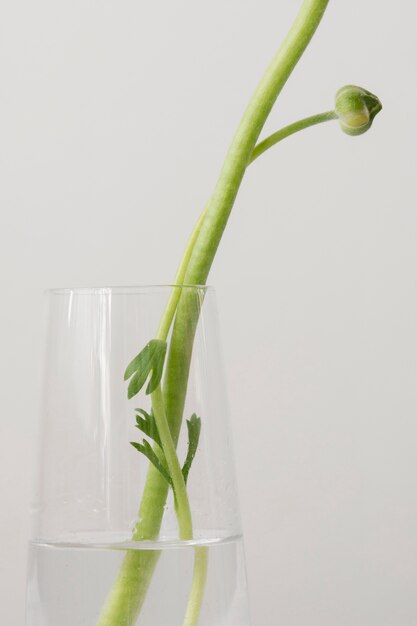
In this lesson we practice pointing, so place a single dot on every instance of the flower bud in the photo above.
(356, 108)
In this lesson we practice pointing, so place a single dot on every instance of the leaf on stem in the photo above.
(149, 362)
(194, 429)
(147, 424)
(146, 449)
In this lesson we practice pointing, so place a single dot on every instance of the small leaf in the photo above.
(146, 449)
(147, 425)
(149, 362)
(194, 429)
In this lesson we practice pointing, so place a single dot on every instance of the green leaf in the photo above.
(146, 449)
(194, 429)
(148, 363)
(136, 383)
(147, 425)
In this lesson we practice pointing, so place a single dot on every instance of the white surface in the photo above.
(114, 120)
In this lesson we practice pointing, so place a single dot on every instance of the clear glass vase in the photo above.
(113, 543)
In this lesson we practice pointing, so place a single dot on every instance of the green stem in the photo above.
(202, 251)
(260, 148)
(214, 221)
(182, 504)
(289, 130)
(183, 512)
(244, 142)
(129, 590)
(169, 312)
(195, 600)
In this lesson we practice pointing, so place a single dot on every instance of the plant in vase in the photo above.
(161, 368)
(355, 108)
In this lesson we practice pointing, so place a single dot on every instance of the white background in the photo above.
(115, 117)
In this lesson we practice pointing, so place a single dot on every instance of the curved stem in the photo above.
(199, 261)
(289, 130)
(240, 151)
(218, 211)
(260, 148)
(169, 312)
(182, 504)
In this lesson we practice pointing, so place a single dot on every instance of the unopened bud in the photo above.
(356, 108)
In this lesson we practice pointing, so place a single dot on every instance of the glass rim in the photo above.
(127, 290)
